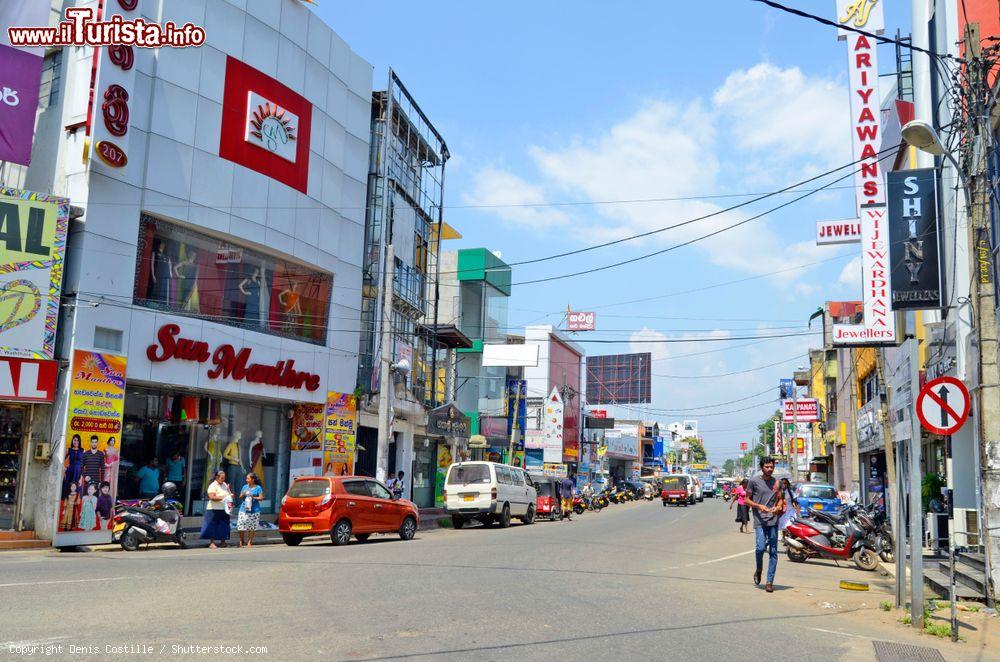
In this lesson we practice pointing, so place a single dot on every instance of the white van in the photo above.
(488, 492)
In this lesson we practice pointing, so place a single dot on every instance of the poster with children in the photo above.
(339, 430)
(93, 439)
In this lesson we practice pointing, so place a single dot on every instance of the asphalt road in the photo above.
(637, 581)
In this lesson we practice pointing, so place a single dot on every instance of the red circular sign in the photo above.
(943, 405)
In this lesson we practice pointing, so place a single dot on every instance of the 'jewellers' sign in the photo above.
(448, 421)
(228, 362)
(913, 233)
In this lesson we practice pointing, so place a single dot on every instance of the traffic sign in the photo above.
(943, 405)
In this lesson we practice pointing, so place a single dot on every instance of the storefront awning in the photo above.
(445, 336)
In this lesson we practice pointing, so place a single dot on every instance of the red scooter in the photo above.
(827, 537)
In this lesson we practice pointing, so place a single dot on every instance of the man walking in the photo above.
(567, 498)
(765, 499)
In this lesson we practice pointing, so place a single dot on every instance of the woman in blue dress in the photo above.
(74, 465)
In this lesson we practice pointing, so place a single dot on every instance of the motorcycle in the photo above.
(601, 500)
(156, 520)
(829, 537)
(578, 505)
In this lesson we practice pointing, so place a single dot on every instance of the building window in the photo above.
(48, 91)
(189, 273)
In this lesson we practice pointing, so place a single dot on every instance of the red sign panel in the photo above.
(28, 380)
(272, 136)
(599, 413)
(581, 321)
(743, 445)
(805, 410)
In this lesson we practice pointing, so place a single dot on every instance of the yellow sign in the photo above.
(555, 470)
(602, 450)
(860, 10)
(699, 466)
(339, 433)
(307, 427)
(32, 244)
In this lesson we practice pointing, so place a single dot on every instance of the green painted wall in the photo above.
(480, 264)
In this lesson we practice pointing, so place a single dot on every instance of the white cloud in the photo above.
(850, 275)
(777, 118)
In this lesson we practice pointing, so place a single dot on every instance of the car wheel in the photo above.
(362, 537)
(504, 519)
(129, 540)
(408, 529)
(291, 539)
(341, 533)
(529, 517)
(457, 522)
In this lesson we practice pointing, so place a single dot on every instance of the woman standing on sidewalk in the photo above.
(742, 510)
(215, 525)
(250, 497)
(791, 504)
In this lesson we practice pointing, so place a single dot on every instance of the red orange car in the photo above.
(342, 506)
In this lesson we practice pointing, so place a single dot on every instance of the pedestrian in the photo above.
(395, 485)
(566, 486)
(149, 479)
(740, 501)
(249, 518)
(215, 524)
(764, 495)
(791, 505)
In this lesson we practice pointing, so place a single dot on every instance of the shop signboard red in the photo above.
(28, 380)
(805, 410)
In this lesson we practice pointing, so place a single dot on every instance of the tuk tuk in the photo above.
(548, 494)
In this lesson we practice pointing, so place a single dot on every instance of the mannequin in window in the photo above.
(291, 305)
(161, 271)
(250, 288)
(231, 462)
(256, 456)
(213, 458)
(186, 273)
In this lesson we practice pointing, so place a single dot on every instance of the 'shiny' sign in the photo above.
(943, 405)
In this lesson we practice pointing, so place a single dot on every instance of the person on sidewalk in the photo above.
(566, 487)
(765, 497)
(740, 501)
(215, 523)
(791, 505)
(249, 518)
(395, 485)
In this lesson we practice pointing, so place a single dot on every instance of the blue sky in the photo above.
(582, 102)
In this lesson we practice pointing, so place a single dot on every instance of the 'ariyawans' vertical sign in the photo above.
(879, 326)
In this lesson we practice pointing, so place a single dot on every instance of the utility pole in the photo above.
(385, 367)
(916, 502)
(795, 430)
(895, 503)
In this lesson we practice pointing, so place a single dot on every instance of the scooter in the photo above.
(578, 505)
(824, 536)
(157, 520)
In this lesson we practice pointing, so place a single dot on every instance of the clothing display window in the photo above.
(190, 273)
(11, 432)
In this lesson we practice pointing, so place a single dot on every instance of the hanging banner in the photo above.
(89, 478)
(913, 232)
(339, 434)
(517, 408)
(552, 426)
(33, 230)
(307, 428)
(20, 80)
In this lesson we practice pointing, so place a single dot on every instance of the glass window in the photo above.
(186, 272)
(356, 487)
(48, 89)
(517, 476)
(818, 492)
(378, 490)
(503, 475)
(466, 474)
(308, 489)
(544, 488)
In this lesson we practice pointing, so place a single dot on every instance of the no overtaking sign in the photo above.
(943, 405)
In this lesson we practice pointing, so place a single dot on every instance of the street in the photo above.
(635, 581)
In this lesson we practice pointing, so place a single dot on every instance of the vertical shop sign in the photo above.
(340, 428)
(89, 477)
(552, 425)
(112, 83)
(517, 408)
(444, 460)
(32, 246)
(879, 324)
(20, 80)
(913, 231)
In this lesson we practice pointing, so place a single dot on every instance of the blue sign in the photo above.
(786, 388)
(658, 447)
(517, 404)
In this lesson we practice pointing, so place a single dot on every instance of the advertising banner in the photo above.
(552, 424)
(32, 249)
(517, 405)
(555, 470)
(847, 231)
(307, 428)
(20, 80)
(580, 321)
(444, 460)
(806, 410)
(340, 427)
(89, 484)
(913, 233)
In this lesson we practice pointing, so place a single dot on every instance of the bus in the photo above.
(706, 476)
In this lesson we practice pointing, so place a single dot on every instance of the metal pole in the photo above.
(951, 540)
(385, 370)
(916, 507)
(795, 429)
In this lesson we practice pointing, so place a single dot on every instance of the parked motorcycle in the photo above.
(578, 505)
(822, 535)
(157, 520)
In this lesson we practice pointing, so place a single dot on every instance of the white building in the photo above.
(244, 238)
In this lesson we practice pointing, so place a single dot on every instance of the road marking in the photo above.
(724, 558)
(844, 634)
(67, 581)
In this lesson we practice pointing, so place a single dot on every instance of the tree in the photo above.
(729, 467)
(698, 454)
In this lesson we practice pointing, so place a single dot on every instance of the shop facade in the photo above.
(219, 261)
(622, 454)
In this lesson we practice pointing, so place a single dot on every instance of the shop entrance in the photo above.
(424, 469)
(11, 461)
